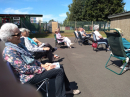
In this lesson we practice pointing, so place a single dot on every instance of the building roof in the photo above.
(38, 15)
(119, 14)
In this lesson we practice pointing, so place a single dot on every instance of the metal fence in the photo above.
(33, 27)
(87, 25)
(65, 27)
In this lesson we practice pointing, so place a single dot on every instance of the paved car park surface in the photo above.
(86, 71)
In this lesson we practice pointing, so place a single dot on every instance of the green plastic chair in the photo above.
(56, 42)
(115, 41)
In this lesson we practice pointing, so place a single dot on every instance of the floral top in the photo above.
(26, 71)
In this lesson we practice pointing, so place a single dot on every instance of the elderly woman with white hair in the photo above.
(99, 36)
(44, 50)
(31, 71)
(39, 43)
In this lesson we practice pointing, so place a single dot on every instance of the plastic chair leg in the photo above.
(113, 70)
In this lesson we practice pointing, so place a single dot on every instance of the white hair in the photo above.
(22, 29)
(6, 31)
(27, 30)
(96, 27)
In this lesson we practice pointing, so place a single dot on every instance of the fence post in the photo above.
(75, 24)
(46, 25)
(92, 26)
(21, 23)
(39, 26)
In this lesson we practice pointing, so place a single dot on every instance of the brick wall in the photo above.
(123, 23)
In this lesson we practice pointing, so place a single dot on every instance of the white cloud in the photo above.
(48, 17)
(17, 11)
(63, 15)
(59, 18)
(28, 8)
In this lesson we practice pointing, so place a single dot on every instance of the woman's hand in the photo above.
(48, 66)
(40, 43)
(46, 48)
(100, 37)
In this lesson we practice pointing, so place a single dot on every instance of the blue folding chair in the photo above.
(98, 43)
(76, 38)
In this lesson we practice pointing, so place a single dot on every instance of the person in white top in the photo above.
(99, 36)
(84, 35)
(37, 51)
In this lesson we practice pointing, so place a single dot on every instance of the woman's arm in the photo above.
(37, 41)
(17, 62)
(100, 36)
(6, 78)
(31, 47)
(58, 36)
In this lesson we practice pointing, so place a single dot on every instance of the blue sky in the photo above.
(127, 5)
(50, 9)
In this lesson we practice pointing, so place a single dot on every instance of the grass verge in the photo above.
(67, 34)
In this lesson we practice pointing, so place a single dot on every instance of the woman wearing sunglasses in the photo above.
(31, 71)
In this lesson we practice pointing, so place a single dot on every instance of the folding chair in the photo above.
(56, 42)
(98, 43)
(39, 84)
(115, 41)
(76, 38)
(82, 40)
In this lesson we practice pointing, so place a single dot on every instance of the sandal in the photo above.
(56, 57)
(75, 92)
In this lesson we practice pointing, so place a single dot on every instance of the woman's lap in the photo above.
(45, 74)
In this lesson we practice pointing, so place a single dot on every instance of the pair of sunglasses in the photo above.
(19, 34)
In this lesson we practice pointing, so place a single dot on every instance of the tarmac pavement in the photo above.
(86, 71)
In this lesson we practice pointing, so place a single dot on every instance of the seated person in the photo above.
(37, 52)
(126, 44)
(87, 35)
(39, 43)
(63, 39)
(99, 36)
(84, 35)
(31, 71)
(7, 78)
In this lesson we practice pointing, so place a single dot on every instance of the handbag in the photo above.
(27, 59)
(94, 45)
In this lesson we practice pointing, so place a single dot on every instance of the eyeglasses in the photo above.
(19, 34)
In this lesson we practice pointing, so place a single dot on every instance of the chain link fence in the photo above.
(33, 27)
(87, 25)
(65, 27)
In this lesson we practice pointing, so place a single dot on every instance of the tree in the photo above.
(75, 9)
(94, 10)
(51, 20)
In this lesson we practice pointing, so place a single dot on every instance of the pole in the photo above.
(75, 24)
(92, 26)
